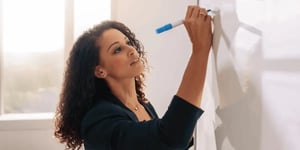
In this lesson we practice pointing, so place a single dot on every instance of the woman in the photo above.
(102, 104)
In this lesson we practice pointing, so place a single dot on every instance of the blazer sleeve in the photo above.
(107, 127)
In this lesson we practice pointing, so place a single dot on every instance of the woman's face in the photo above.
(118, 59)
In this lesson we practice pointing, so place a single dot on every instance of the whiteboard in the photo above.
(252, 88)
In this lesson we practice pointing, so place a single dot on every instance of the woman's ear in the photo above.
(99, 72)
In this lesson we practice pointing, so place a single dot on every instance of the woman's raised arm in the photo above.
(198, 26)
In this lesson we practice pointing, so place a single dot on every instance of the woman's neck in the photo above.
(124, 90)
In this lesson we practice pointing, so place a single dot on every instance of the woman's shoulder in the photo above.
(104, 107)
(102, 110)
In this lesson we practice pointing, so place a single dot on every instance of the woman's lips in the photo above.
(135, 61)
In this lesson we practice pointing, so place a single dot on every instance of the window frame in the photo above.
(1, 57)
(68, 42)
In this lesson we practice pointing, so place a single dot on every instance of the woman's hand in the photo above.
(198, 26)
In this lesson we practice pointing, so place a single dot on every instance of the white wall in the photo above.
(35, 132)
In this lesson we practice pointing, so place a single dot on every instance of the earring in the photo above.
(102, 74)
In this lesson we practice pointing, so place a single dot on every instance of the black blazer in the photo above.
(110, 125)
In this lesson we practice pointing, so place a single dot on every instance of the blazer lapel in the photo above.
(150, 110)
(129, 113)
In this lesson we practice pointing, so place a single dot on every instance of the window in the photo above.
(35, 37)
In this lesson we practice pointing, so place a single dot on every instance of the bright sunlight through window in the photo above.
(33, 49)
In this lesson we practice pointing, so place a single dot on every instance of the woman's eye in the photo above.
(117, 50)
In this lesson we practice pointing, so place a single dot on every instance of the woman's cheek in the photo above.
(118, 64)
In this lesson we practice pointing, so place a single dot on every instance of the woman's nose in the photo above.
(132, 51)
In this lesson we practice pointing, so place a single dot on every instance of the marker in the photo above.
(170, 26)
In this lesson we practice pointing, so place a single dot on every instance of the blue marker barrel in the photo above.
(164, 28)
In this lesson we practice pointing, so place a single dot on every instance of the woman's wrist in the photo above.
(200, 50)
(200, 55)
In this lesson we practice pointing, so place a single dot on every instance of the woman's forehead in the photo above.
(112, 35)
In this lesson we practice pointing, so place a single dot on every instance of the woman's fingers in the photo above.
(203, 12)
(195, 11)
(198, 25)
(190, 11)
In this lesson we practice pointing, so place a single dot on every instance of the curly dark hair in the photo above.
(81, 87)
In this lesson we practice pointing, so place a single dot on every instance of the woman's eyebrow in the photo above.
(112, 45)
(126, 39)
